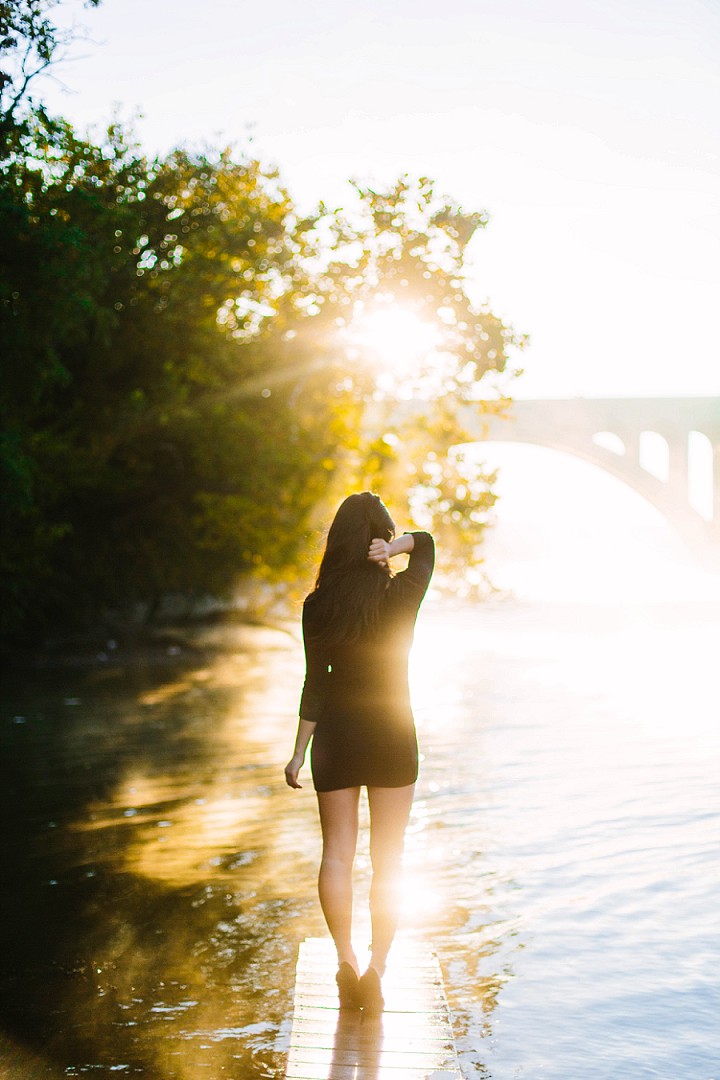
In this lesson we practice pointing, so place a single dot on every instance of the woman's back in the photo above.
(357, 690)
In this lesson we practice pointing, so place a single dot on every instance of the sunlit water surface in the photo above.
(562, 855)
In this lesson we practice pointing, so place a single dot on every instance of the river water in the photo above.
(562, 856)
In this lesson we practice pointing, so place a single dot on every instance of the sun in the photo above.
(394, 339)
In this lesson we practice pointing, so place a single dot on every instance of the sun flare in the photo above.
(395, 338)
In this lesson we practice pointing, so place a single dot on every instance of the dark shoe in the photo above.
(347, 984)
(370, 993)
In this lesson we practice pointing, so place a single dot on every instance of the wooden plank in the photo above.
(411, 1040)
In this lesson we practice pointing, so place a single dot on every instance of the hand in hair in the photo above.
(382, 552)
(379, 552)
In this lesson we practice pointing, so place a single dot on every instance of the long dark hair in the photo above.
(350, 588)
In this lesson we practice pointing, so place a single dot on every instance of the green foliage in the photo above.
(399, 257)
(30, 43)
(188, 384)
(160, 433)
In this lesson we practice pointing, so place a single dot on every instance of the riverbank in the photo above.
(181, 641)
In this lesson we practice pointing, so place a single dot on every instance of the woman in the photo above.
(358, 628)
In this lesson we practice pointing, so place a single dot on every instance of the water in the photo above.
(561, 859)
(577, 842)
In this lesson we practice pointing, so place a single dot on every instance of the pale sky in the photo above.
(590, 132)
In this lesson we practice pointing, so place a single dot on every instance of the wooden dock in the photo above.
(411, 1040)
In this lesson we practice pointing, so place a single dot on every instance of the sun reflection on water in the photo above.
(566, 812)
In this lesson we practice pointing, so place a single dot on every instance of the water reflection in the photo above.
(144, 900)
(159, 876)
(357, 1044)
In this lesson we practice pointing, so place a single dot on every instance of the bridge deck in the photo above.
(412, 1040)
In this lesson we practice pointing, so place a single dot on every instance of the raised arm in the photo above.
(421, 547)
(382, 551)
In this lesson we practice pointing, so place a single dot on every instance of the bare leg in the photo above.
(339, 821)
(389, 813)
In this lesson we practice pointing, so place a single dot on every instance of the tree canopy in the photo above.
(30, 43)
(194, 373)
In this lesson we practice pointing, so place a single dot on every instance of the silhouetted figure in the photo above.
(358, 629)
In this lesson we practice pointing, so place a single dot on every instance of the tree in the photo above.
(191, 376)
(30, 43)
(162, 431)
(394, 280)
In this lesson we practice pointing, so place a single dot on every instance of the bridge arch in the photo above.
(596, 429)
(609, 441)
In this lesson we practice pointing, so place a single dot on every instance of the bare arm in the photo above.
(381, 551)
(413, 581)
(305, 732)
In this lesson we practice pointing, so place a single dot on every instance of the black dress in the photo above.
(358, 695)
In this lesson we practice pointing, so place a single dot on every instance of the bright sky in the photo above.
(590, 131)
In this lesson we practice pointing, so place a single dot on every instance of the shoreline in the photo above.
(175, 643)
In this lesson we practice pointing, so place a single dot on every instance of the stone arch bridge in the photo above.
(579, 426)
